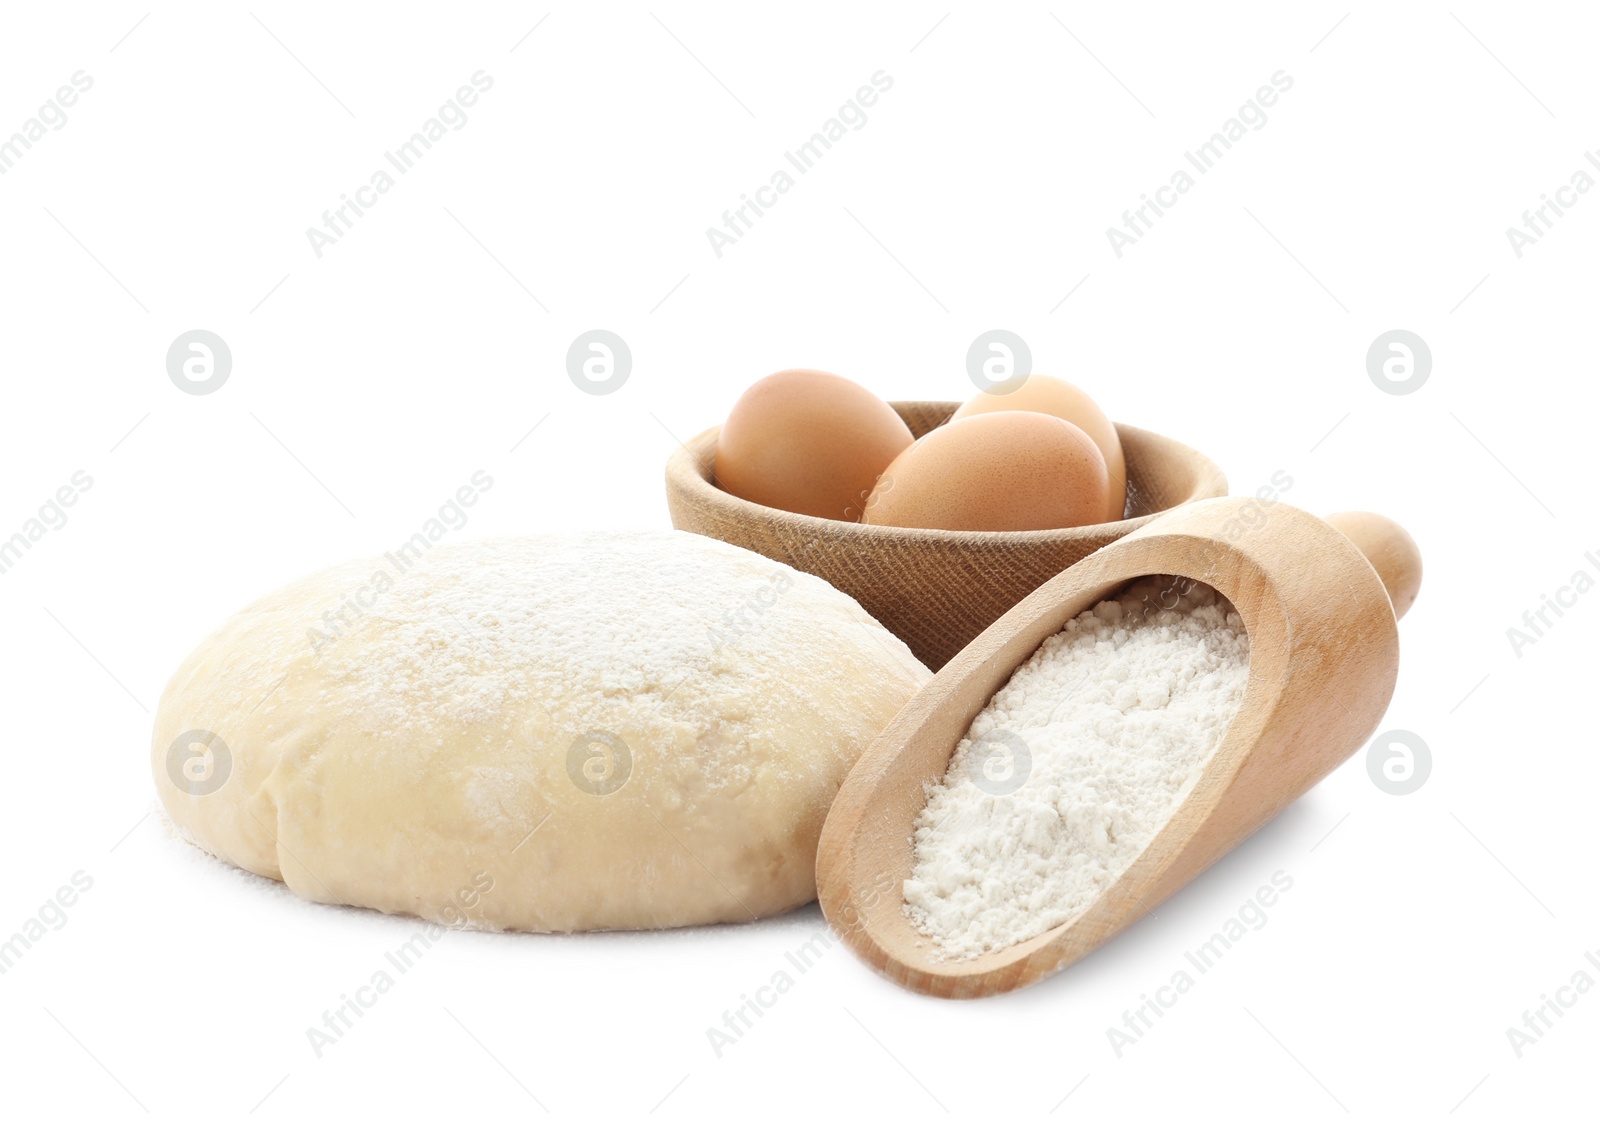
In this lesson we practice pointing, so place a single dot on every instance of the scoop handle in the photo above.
(1391, 552)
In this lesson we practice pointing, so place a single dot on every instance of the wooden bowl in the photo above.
(935, 590)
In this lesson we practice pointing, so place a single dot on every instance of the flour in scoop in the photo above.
(1075, 765)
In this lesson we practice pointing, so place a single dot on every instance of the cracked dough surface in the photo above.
(608, 730)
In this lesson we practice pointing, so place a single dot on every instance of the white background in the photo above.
(369, 384)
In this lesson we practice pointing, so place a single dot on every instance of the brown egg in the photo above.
(1001, 471)
(1051, 396)
(808, 442)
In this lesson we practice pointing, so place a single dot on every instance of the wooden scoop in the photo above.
(1323, 656)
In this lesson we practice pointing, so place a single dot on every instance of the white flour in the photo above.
(1075, 764)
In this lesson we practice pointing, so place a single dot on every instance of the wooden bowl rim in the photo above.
(689, 469)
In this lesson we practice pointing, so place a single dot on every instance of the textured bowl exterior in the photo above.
(934, 590)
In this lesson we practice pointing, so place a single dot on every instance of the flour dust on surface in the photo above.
(1075, 765)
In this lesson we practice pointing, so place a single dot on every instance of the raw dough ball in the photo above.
(562, 733)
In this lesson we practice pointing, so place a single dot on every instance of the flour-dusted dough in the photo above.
(561, 733)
